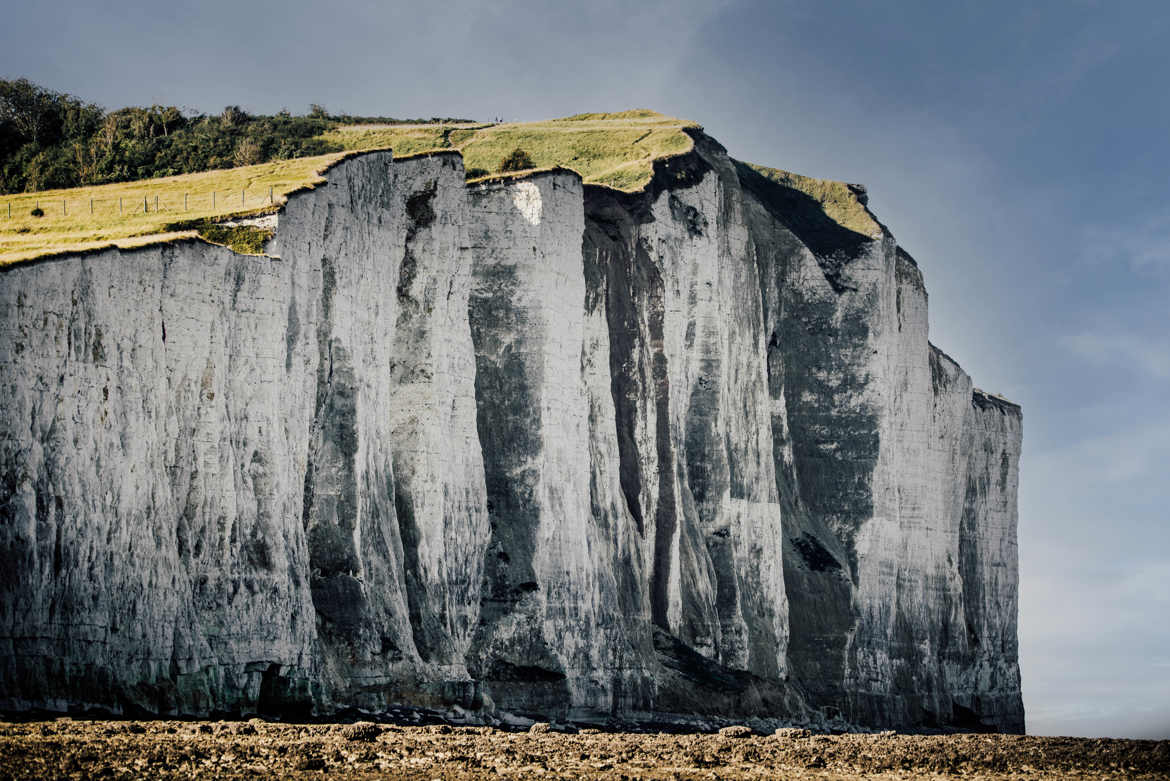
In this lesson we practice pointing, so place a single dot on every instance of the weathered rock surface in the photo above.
(529, 445)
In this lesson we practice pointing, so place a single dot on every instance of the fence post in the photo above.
(184, 201)
(145, 209)
(270, 194)
(91, 205)
(213, 199)
(156, 203)
(241, 199)
(119, 204)
(63, 212)
(10, 210)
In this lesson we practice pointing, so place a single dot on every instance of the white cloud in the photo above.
(1143, 245)
(1115, 345)
(1137, 453)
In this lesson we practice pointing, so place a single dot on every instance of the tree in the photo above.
(248, 152)
(518, 160)
(32, 110)
(232, 116)
(169, 117)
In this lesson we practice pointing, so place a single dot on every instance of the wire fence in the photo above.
(175, 202)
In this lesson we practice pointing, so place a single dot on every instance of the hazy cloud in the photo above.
(1118, 346)
(1141, 245)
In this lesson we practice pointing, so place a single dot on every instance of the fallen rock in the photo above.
(792, 733)
(736, 731)
(362, 731)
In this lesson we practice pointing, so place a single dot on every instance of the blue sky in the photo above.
(1017, 149)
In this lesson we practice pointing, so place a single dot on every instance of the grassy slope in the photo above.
(616, 150)
(840, 203)
(74, 228)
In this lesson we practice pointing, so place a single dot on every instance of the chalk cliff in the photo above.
(527, 445)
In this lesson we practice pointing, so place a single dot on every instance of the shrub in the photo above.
(518, 160)
(232, 116)
(247, 152)
(245, 239)
(476, 173)
(38, 212)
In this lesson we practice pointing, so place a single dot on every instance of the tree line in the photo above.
(51, 139)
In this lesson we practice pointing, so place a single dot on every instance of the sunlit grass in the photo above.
(125, 214)
(840, 203)
(615, 149)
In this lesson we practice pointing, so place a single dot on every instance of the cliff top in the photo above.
(985, 399)
(843, 203)
(615, 149)
(611, 149)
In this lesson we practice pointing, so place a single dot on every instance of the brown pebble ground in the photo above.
(68, 748)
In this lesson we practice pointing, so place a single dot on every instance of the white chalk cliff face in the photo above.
(527, 445)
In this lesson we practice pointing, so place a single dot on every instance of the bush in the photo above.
(517, 161)
(476, 173)
(38, 212)
(245, 239)
(247, 153)
(50, 140)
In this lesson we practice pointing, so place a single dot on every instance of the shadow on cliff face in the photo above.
(833, 244)
(675, 474)
(825, 438)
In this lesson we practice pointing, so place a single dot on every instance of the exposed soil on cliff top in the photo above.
(68, 748)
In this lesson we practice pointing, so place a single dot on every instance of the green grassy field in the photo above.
(143, 212)
(611, 149)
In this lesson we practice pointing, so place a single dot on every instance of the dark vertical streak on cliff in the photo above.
(331, 491)
(635, 284)
(609, 235)
(521, 672)
(430, 639)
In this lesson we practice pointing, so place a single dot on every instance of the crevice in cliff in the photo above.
(412, 361)
(666, 511)
(331, 494)
(607, 238)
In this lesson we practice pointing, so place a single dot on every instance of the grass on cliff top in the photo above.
(68, 224)
(839, 202)
(616, 149)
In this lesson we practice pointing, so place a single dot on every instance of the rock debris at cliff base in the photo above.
(162, 749)
(528, 446)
